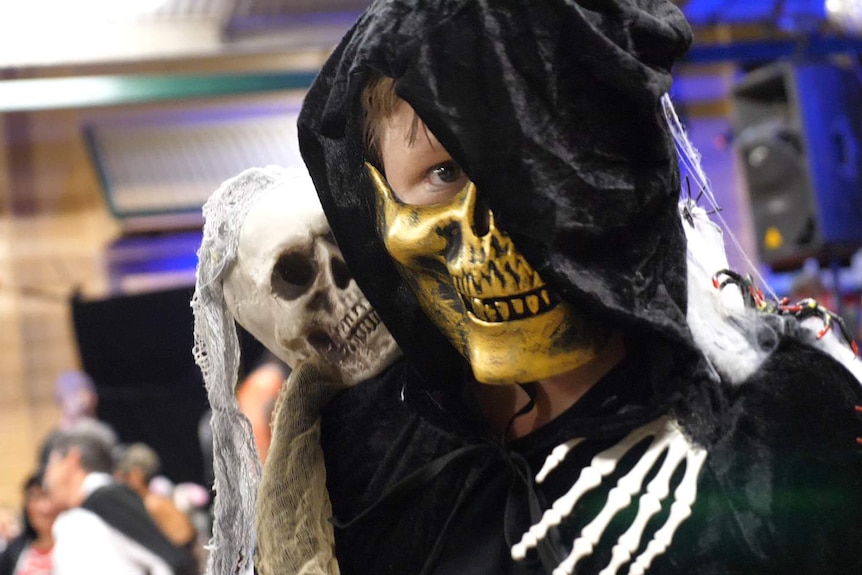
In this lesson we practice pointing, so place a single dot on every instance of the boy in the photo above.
(520, 238)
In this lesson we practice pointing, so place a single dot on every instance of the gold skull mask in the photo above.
(480, 291)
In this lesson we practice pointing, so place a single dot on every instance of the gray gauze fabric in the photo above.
(216, 351)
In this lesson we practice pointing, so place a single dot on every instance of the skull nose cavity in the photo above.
(340, 273)
(320, 302)
(293, 274)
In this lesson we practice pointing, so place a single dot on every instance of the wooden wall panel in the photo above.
(53, 231)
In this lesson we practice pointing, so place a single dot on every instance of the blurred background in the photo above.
(118, 119)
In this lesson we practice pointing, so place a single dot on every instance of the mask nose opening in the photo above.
(481, 218)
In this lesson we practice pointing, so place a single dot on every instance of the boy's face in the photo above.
(468, 276)
(420, 172)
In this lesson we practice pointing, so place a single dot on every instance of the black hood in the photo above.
(553, 109)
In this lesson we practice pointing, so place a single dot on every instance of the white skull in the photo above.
(291, 289)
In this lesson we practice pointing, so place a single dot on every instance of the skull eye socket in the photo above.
(330, 238)
(292, 275)
(340, 273)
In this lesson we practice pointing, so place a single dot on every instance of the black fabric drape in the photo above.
(138, 351)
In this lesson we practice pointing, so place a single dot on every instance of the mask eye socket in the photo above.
(293, 274)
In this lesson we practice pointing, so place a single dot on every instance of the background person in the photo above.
(30, 552)
(136, 467)
(103, 528)
(256, 396)
(10, 526)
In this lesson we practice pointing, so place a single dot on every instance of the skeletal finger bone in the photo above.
(667, 438)
(685, 496)
(557, 456)
(603, 464)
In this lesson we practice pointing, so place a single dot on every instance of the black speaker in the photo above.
(798, 133)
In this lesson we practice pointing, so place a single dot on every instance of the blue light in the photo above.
(137, 255)
(790, 12)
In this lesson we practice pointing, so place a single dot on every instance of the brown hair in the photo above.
(379, 101)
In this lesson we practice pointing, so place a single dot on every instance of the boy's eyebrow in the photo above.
(415, 125)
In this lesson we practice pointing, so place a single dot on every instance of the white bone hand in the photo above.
(666, 438)
(293, 509)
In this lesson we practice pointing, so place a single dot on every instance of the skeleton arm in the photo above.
(293, 508)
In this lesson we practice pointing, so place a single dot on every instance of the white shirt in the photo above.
(85, 545)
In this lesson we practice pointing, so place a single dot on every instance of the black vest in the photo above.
(122, 509)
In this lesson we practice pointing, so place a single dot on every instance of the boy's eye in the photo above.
(445, 173)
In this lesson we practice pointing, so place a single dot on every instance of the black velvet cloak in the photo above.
(553, 109)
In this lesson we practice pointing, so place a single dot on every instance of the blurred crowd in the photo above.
(96, 506)
(99, 507)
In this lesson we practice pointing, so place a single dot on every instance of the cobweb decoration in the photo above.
(216, 351)
(693, 172)
(729, 333)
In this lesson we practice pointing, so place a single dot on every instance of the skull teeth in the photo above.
(361, 320)
(511, 308)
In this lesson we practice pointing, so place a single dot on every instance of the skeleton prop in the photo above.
(291, 289)
(267, 261)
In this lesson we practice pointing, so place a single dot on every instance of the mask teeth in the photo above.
(537, 281)
(511, 308)
(497, 279)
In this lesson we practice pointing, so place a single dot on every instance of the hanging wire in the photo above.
(690, 159)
